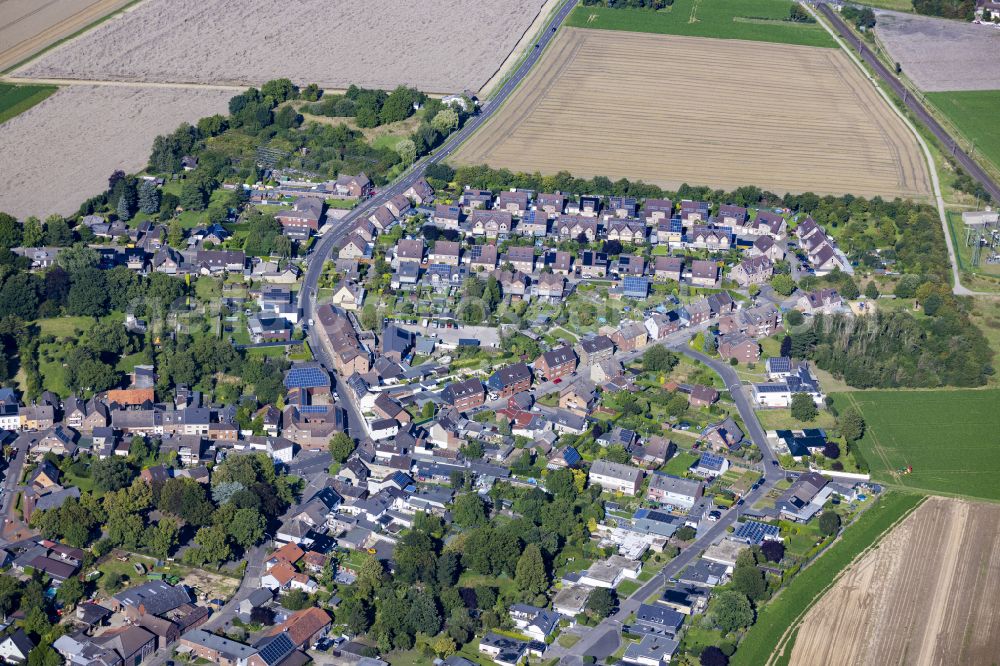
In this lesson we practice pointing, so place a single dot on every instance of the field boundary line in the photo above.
(526, 51)
(958, 289)
(794, 626)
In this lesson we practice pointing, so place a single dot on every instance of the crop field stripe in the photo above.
(562, 116)
(16, 99)
(777, 619)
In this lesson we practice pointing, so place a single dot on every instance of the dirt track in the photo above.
(435, 45)
(28, 26)
(724, 113)
(926, 596)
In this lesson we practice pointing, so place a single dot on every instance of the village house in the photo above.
(445, 252)
(659, 325)
(473, 199)
(756, 322)
(357, 187)
(702, 396)
(420, 192)
(399, 205)
(550, 286)
(348, 296)
(595, 349)
(509, 380)
(551, 204)
(447, 216)
(739, 346)
(615, 477)
(668, 268)
(764, 246)
(704, 273)
(483, 257)
(521, 258)
(821, 301)
(592, 264)
(675, 491)
(514, 202)
(657, 209)
(715, 239)
(410, 250)
(630, 336)
(732, 216)
(752, 270)
(489, 223)
(303, 218)
(555, 363)
(464, 395)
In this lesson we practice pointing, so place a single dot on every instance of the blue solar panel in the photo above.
(314, 409)
(755, 532)
(306, 378)
(571, 456)
(636, 287)
(711, 460)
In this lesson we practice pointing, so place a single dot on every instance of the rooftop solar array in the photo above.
(755, 532)
(308, 377)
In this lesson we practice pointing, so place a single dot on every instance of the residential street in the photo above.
(604, 640)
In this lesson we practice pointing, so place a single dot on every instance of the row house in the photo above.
(615, 477)
(445, 252)
(551, 204)
(668, 268)
(533, 225)
(622, 207)
(733, 216)
(382, 218)
(704, 273)
(693, 212)
(739, 346)
(483, 257)
(550, 286)
(593, 264)
(447, 216)
(420, 192)
(489, 223)
(521, 258)
(464, 395)
(669, 232)
(655, 210)
(85, 415)
(410, 250)
(473, 199)
(514, 202)
(303, 219)
(768, 224)
(571, 227)
(825, 301)
(627, 231)
(359, 186)
(659, 325)
(560, 262)
(764, 246)
(629, 337)
(716, 239)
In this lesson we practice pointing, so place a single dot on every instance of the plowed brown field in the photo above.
(926, 596)
(724, 113)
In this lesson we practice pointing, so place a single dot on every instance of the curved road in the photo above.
(603, 640)
(332, 237)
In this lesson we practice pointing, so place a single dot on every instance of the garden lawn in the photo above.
(15, 99)
(807, 586)
(974, 112)
(774, 419)
(759, 21)
(680, 463)
(949, 437)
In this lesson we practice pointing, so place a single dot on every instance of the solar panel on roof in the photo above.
(814, 432)
(277, 648)
(306, 378)
(314, 409)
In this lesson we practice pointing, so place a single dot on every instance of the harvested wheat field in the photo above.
(724, 113)
(927, 595)
(28, 26)
(61, 151)
(435, 45)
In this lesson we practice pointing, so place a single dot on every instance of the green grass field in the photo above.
(760, 21)
(17, 98)
(808, 585)
(974, 112)
(949, 437)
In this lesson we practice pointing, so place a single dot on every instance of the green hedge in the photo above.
(777, 616)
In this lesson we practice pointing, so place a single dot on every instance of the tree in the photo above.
(794, 318)
(111, 473)
(10, 231)
(355, 614)
(162, 538)
(57, 232)
(33, 234)
(70, 592)
(773, 550)
(601, 602)
(88, 293)
(711, 655)
(658, 359)
(446, 121)
(341, 446)
(247, 527)
(871, 290)
(193, 195)
(295, 600)
(803, 407)
(732, 611)
(831, 450)
(423, 616)
(469, 510)
(124, 208)
(783, 284)
(749, 580)
(786, 346)
(685, 533)
(829, 523)
(444, 646)
(530, 574)
(407, 151)
(10, 590)
(851, 424)
(213, 546)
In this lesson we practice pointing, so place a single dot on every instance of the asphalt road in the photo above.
(604, 639)
(332, 237)
(951, 146)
